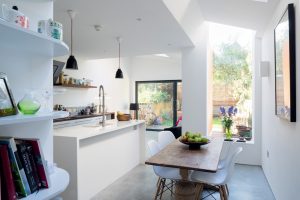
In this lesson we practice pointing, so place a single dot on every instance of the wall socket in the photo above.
(268, 154)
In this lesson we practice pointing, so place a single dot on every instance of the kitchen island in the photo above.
(96, 156)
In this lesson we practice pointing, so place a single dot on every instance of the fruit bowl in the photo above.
(193, 145)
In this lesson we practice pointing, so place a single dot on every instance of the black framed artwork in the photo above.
(285, 66)
(7, 102)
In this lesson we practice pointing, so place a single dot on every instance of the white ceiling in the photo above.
(157, 32)
(242, 13)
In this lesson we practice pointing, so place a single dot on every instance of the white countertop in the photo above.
(85, 131)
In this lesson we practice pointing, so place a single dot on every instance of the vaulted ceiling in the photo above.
(251, 14)
(148, 26)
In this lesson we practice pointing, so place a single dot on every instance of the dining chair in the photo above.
(164, 173)
(218, 179)
(165, 138)
(225, 154)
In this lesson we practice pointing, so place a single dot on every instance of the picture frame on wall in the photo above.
(285, 66)
(7, 103)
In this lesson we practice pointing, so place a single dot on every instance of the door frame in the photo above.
(174, 103)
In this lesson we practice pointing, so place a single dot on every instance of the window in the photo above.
(231, 63)
(159, 102)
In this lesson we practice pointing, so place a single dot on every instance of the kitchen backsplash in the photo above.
(78, 110)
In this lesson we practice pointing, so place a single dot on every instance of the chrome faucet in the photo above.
(101, 88)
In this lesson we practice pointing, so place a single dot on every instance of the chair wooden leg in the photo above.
(158, 189)
(227, 189)
(224, 192)
(198, 191)
(172, 187)
(158, 181)
(221, 193)
(162, 187)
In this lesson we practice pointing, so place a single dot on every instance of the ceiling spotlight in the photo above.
(98, 27)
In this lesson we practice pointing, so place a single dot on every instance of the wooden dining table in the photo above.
(178, 155)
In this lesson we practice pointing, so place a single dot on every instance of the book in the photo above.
(0, 186)
(7, 187)
(25, 160)
(20, 180)
(33, 164)
(40, 162)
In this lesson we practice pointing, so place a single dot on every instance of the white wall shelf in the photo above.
(20, 118)
(19, 39)
(59, 182)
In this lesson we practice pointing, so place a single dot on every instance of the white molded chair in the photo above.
(165, 138)
(162, 172)
(218, 179)
(225, 154)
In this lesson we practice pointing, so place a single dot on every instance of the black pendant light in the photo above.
(119, 73)
(71, 63)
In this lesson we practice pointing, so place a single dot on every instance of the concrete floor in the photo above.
(248, 183)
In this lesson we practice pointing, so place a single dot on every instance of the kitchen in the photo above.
(70, 74)
(78, 149)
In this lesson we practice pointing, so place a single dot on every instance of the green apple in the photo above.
(204, 140)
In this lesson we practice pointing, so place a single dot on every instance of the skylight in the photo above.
(262, 1)
(162, 55)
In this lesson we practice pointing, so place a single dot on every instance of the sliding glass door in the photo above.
(159, 103)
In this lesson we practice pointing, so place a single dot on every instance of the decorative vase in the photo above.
(228, 133)
(28, 104)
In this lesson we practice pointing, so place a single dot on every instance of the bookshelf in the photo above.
(27, 58)
(59, 182)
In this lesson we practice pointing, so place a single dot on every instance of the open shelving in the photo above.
(59, 182)
(76, 86)
(17, 46)
(20, 118)
(25, 40)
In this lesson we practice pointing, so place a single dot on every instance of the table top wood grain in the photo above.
(178, 155)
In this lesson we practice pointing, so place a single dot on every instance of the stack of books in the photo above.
(22, 168)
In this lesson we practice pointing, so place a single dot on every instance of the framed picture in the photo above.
(285, 66)
(7, 103)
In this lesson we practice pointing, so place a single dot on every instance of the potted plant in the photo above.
(227, 121)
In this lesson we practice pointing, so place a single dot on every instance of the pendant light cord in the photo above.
(119, 55)
(71, 36)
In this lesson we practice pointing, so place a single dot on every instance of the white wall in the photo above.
(194, 83)
(150, 68)
(279, 137)
(103, 72)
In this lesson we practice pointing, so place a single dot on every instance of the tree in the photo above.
(231, 68)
